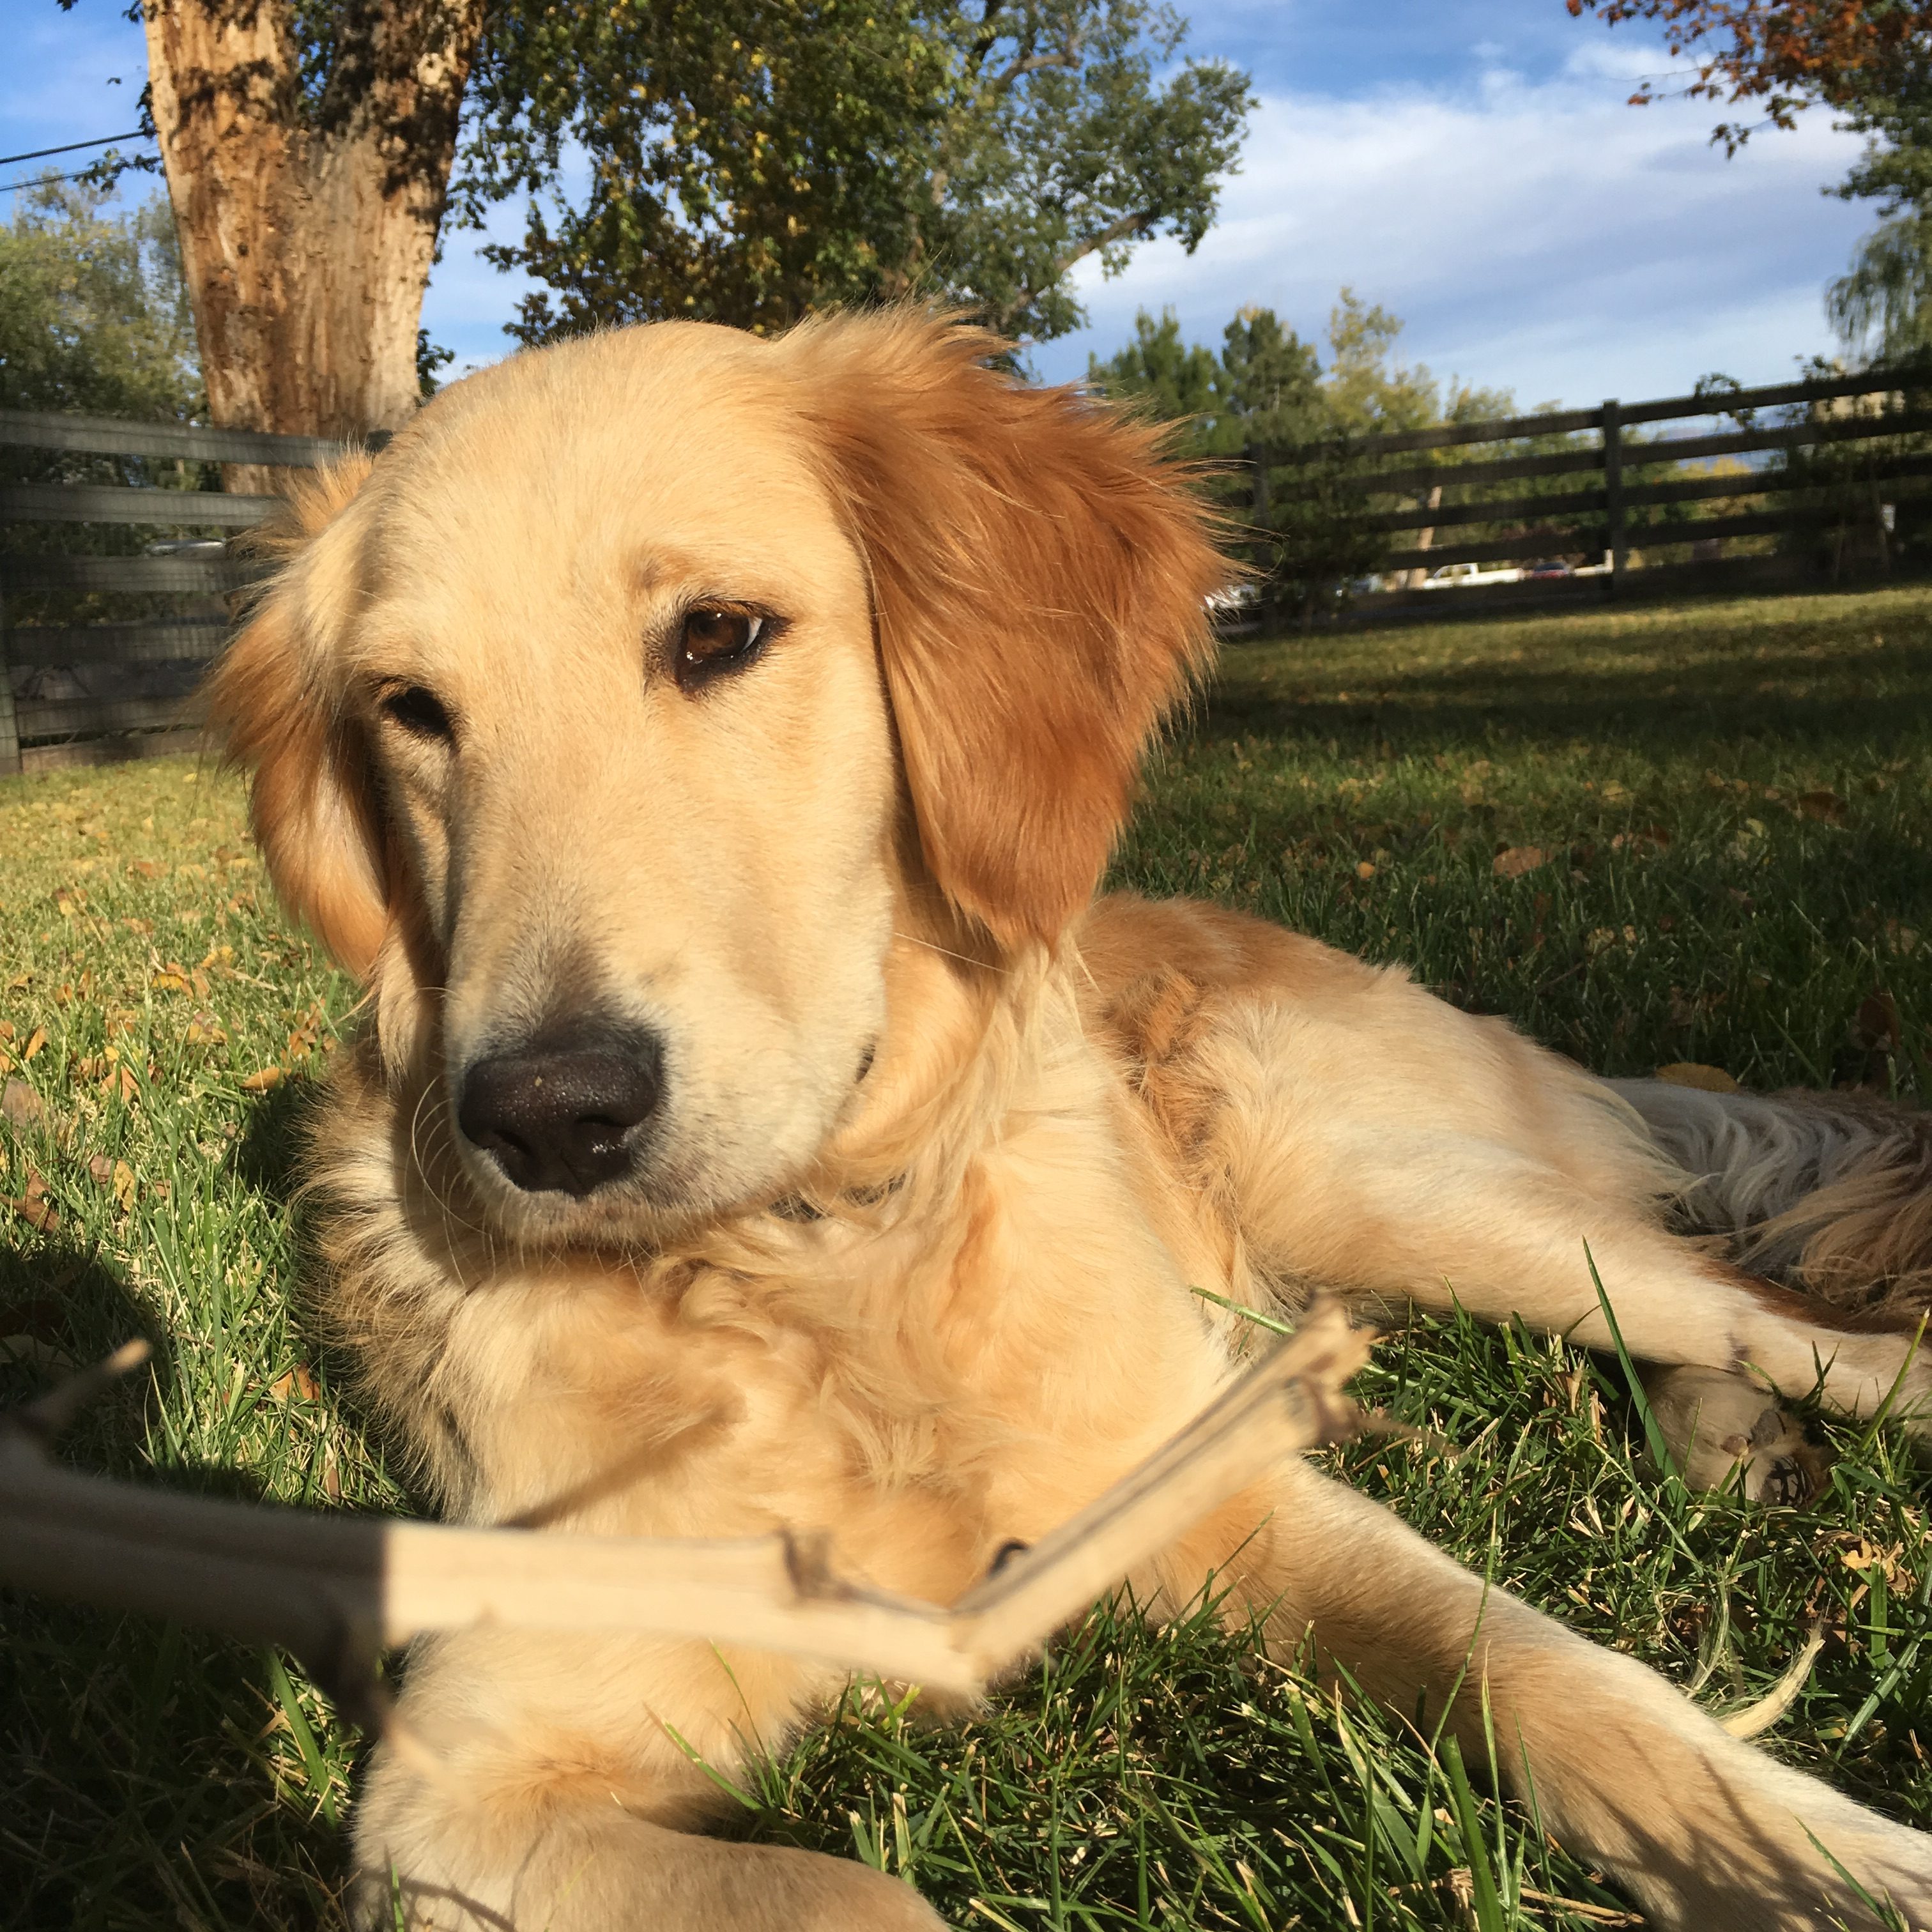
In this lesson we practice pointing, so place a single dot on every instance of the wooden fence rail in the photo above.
(1621, 474)
(81, 693)
(109, 630)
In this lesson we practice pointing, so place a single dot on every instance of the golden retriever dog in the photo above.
(706, 750)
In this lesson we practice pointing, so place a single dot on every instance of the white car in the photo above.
(1459, 576)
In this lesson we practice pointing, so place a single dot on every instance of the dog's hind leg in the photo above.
(1708, 1834)
(1515, 1201)
(1433, 1219)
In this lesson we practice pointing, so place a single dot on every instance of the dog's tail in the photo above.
(1831, 1192)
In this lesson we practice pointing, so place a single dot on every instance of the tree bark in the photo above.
(307, 205)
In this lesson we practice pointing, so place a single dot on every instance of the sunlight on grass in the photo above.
(1693, 835)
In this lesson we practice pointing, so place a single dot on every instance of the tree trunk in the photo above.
(307, 215)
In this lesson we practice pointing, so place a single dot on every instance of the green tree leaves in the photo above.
(751, 159)
(93, 315)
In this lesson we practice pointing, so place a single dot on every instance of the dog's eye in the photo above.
(716, 638)
(418, 712)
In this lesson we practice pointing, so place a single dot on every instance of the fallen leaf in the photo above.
(148, 869)
(1826, 806)
(171, 978)
(36, 1040)
(25, 1351)
(295, 1381)
(22, 1105)
(261, 1079)
(33, 1207)
(1689, 1073)
(1365, 870)
(1515, 860)
(1877, 1025)
(101, 1170)
(124, 1186)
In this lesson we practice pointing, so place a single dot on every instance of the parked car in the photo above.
(1547, 567)
(1458, 576)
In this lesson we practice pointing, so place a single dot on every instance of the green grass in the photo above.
(1731, 803)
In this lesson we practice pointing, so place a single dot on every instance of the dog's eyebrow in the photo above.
(661, 567)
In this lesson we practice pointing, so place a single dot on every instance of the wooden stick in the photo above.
(337, 1589)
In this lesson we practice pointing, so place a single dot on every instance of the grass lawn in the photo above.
(1698, 834)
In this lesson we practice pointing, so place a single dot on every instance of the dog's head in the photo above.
(612, 723)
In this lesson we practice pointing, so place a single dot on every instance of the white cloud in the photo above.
(1543, 238)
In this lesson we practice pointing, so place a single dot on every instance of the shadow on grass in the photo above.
(268, 1159)
(119, 1748)
(1861, 696)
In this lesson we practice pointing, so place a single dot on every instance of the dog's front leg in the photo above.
(540, 1785)
(1708, 1834)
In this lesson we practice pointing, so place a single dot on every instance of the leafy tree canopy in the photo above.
(93, 314)
(1871, 60)
(752, 159)
(1781, 55)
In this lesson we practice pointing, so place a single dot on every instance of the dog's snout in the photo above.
(563, 1115)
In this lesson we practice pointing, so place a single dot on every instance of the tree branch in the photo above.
(337, 1590)
(1138, 222)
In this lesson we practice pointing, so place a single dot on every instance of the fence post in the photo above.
(1613, 490)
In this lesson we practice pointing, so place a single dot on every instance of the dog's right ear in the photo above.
(279, 716)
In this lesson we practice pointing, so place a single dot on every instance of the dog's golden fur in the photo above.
(940, 1147)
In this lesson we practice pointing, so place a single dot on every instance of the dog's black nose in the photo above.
(563, 1114)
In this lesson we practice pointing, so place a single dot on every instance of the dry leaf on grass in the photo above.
(32, 1205)
(36, 1040)
(23, 1107)
(1827, 807)
(1689, 1073)
(261, 1079)
(1515, 860)
(1877, 1026)
(295, 1381)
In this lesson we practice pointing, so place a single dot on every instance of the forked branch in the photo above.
(337, 1590)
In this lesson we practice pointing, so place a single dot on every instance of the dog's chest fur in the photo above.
(960, 1364)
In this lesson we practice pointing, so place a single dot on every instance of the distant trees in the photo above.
(93, 315)
(1266, 390)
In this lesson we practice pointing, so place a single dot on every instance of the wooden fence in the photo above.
(1833, 458)
(94, 680)
(101, 642)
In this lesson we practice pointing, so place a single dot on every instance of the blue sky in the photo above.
(1471, 164)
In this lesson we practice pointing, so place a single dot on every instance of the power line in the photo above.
(73, 147)
(43, 181)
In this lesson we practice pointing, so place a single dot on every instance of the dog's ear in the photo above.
(272, 704)
(1039, 576)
